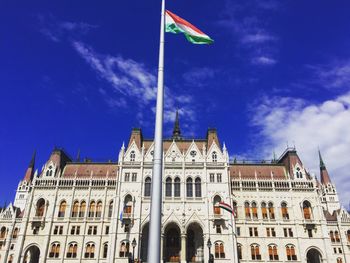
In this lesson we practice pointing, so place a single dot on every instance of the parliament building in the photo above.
(81, 211)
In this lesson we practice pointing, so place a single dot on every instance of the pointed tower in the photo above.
(323, 171)
(329, 196)
(25, 186)
(30, 170)
(176, 130)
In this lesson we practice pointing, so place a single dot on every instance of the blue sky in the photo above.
(80, 75)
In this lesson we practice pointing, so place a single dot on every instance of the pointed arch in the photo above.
(62, 209)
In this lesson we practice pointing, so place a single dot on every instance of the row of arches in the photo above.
(177, 244)
(173, 187)
(273, 254)
(172, 248)
(72, 250)
(4, 231)
(79, 208)
(268, 210)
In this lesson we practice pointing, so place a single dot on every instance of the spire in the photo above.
(322, 165)
(32, 161)
(325, 179)
(78, 156)
(30, 170)
(177, 131)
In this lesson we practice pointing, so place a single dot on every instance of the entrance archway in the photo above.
(195, 244)
(172, 244)
(144, 242)
(313, 256)
(32, 255)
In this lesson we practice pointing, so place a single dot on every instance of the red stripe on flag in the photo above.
(180, 20)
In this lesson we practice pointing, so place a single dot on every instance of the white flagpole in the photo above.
(154, 249)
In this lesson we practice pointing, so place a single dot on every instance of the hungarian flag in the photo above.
(226, 207)
(175, 24)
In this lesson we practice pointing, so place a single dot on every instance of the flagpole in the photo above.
(154, 249)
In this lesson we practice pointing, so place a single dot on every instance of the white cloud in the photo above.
(56, 30)
(257, 38)
(333, 75)
(248, 23)
(198, 76)
(264, 60)
(133, 83)
(309, 126)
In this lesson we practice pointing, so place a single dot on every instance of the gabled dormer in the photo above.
(214, 154)
(55, 165)
(149, 153)
(193, 154)
(173, 153)
(133, 152)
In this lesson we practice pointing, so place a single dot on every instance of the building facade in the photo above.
(84, 211)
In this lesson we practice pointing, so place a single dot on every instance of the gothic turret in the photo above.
(30, 170)
(329, 195)
(176, 130)
(325, 179)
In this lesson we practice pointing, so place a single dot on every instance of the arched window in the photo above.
(217, 200)
(299, 173)
(89, 250)
(348, 235)
(75, 209)
(110, 209)
(62, 209)
(132, 156)
(124, 249)
(239, 251)
(247, 210)
(92, 209)
(254, 210)
(198, 187)
(255, 252)
(128, 205)
(82, 209)
(284, 210)
(10, 259)
(168, 186)
(99, 209)
(148, 183)
(219, 250)
(235, 209)
(339, 260)
(307, 210)
(72, 250)
(15, 233)
(337, 237)
(54, 250)
(331, 235)
(214, 157)
(105, 250)
(273, 254)
(271, 211)
(264, 210)
(189, 187)
(177, 191)
(3, 232)
(40, 208)
(290, 251)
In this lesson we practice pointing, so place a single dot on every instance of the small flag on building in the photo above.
(226, 207)
(175, 24)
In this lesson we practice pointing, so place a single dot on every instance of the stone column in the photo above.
(183, 248)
